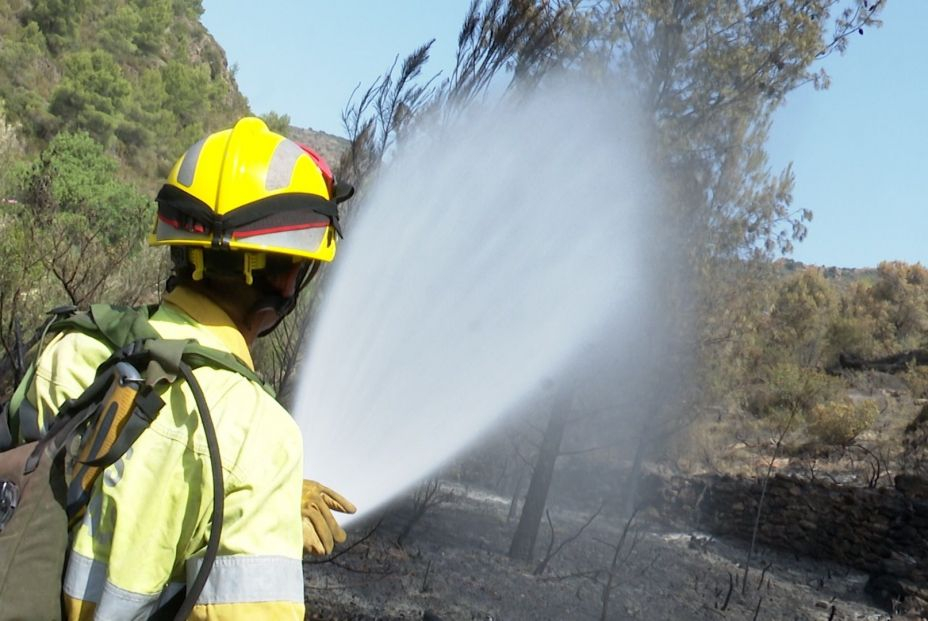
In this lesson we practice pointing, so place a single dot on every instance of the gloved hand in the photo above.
(320, 530)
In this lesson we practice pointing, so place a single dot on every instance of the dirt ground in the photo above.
(453, 565)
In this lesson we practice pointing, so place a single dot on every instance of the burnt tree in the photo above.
(895, 363)
(523, 541)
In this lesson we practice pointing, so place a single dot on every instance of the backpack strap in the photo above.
(197, 355)
(116, 325)
(13, 424)
(120, 326)
(215, 530)
(6, 434)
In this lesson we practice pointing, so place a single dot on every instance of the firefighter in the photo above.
(249, 216)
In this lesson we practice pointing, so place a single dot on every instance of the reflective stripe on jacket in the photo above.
(147, 523)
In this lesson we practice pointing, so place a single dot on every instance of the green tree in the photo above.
(22, 73)
(10, 149)
(898, 302)
(92, 94)
(85, 221)
(190, 9)
(83, 81)
(884, 315)
(801, 316)
(156, 17)
(58, 20)
(119, 30)
(839, 422)
(148, 131)
(20, 278)
(709, 76)
(279, 123)
(854, 330)
(189, 90)
(18, 259)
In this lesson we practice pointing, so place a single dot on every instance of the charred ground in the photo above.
(454, 566)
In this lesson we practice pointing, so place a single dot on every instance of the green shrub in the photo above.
(916, 378)
(840, 422)
(788, 387)
(851, 335)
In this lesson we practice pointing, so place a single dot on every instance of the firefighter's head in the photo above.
(250, 216)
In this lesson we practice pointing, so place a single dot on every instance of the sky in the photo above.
(859, 149)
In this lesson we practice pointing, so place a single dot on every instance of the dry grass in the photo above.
(857, 437)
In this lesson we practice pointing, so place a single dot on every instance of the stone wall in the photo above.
(882, 531)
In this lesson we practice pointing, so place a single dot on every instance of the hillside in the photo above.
(143, 77)
(841, 277)
(328, 146)
(97, 101)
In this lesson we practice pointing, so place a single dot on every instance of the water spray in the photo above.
(489, 252)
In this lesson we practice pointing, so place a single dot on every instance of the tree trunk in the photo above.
(630, 501)
(514, 503)
(523, 541)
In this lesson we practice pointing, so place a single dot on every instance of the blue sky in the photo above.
(859, 149)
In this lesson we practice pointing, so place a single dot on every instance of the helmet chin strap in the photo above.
(271, 299)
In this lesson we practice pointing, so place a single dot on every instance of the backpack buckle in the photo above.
(9, 498)
(128, 374)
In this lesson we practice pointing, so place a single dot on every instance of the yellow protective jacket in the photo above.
(148, 520)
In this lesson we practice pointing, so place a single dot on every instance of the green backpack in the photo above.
(38, 506)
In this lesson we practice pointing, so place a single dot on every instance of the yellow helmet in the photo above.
(250, 190)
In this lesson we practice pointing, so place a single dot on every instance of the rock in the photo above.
(884, 590)
(912, 486)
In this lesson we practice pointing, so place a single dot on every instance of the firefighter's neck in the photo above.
(255, 322)
(251, 313)
(243, 320)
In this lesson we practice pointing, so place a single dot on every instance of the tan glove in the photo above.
(320, 530)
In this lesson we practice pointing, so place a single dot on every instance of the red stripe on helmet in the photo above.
(278, 229)
(323, 168)
(169, 221)
(195, 228)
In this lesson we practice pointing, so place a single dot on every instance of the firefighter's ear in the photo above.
(286, 283)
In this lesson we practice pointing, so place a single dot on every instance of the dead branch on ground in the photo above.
(763, 494)
(427, 496)
(612, 572)
(551, 551)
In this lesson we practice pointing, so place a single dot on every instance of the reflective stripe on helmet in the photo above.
(316, 241)
(174, 234)
(189, 165)
(282, 164)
